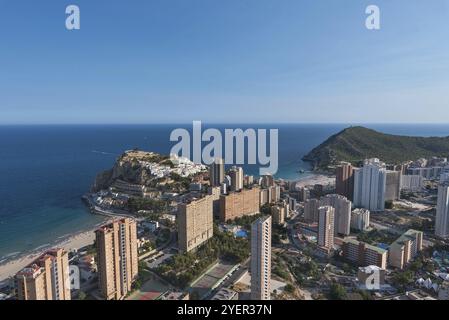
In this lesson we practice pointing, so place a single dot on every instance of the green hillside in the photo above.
(354, 144)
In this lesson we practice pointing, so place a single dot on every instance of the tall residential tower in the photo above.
(117, 258)
(261, 259)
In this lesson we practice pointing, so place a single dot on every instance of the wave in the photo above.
(104, 153)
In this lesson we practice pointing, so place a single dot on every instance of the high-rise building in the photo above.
(345, 180)
(278, 214)
(236, 174)
(311, 210)
(216, 172)
(238, 204)
(393, 185)
(326, 227)
(292, 204)
(248, 180)
(195, 223)
(442, 216)
(342, 206)
(405, 248)
(215, 192)
(360, 219)
(117, 258)
(267, 181)
(413, 183)
(261, 259)
(363, 254)
(369, 185)
(47, 278)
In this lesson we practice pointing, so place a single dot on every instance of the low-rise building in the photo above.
(363, 254)
(405, 248)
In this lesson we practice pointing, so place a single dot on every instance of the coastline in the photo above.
(12, 265)
(70, 242)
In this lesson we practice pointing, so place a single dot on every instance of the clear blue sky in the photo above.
(224, 61)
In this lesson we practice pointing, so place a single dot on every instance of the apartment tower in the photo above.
(370, 185)
(326, 227)
(195, 223)
(261, 259)
(345, 180)
(117, 258)
(442, 216)
(47, 278)
(216, 172)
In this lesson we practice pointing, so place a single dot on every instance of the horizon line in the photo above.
(223, 123)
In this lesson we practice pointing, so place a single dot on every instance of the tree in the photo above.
(337, 292)
(82, 295)
(289, 288)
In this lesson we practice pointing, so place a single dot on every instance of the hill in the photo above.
(354, 144)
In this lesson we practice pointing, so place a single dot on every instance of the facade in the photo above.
(216, 172)
(248, 180)
(405, 248)
(47, 278)
(292, 203)
(215, 192)
(412, 183)
(117, 258)
(267, 181)
(326, 227)
(363, 254)
(360, 219)
(342, 218)
(238, 204)
(311, 210)
(195, 223)
(442, 215)
(263, 197)
(345, 180)
(278, 214)
(369, 185)
(236, 174)
(428, 173)
(261, 259)
(393, 185)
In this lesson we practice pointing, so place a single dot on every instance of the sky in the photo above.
(235, 61)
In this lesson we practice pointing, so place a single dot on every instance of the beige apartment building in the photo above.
(405, 248)
(278, 214)
(326, 227)
(117, 258)
(363, 254)
(47, 278)
(195, 223)
(238, 204)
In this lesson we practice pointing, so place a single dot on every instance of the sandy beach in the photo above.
(316, 179)
(74, 242)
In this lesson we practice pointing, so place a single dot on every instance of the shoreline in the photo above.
(70, 242)
(14, 263)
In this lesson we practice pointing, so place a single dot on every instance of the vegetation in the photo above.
(337, 292)
(374, 237)
(245, 221)
(152, 205)
(305, 272)
(402, 279)
(182, 269)
(354, 144)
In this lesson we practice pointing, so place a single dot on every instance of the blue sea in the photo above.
(44, 170)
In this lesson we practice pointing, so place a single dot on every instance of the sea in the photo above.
(45, 170)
